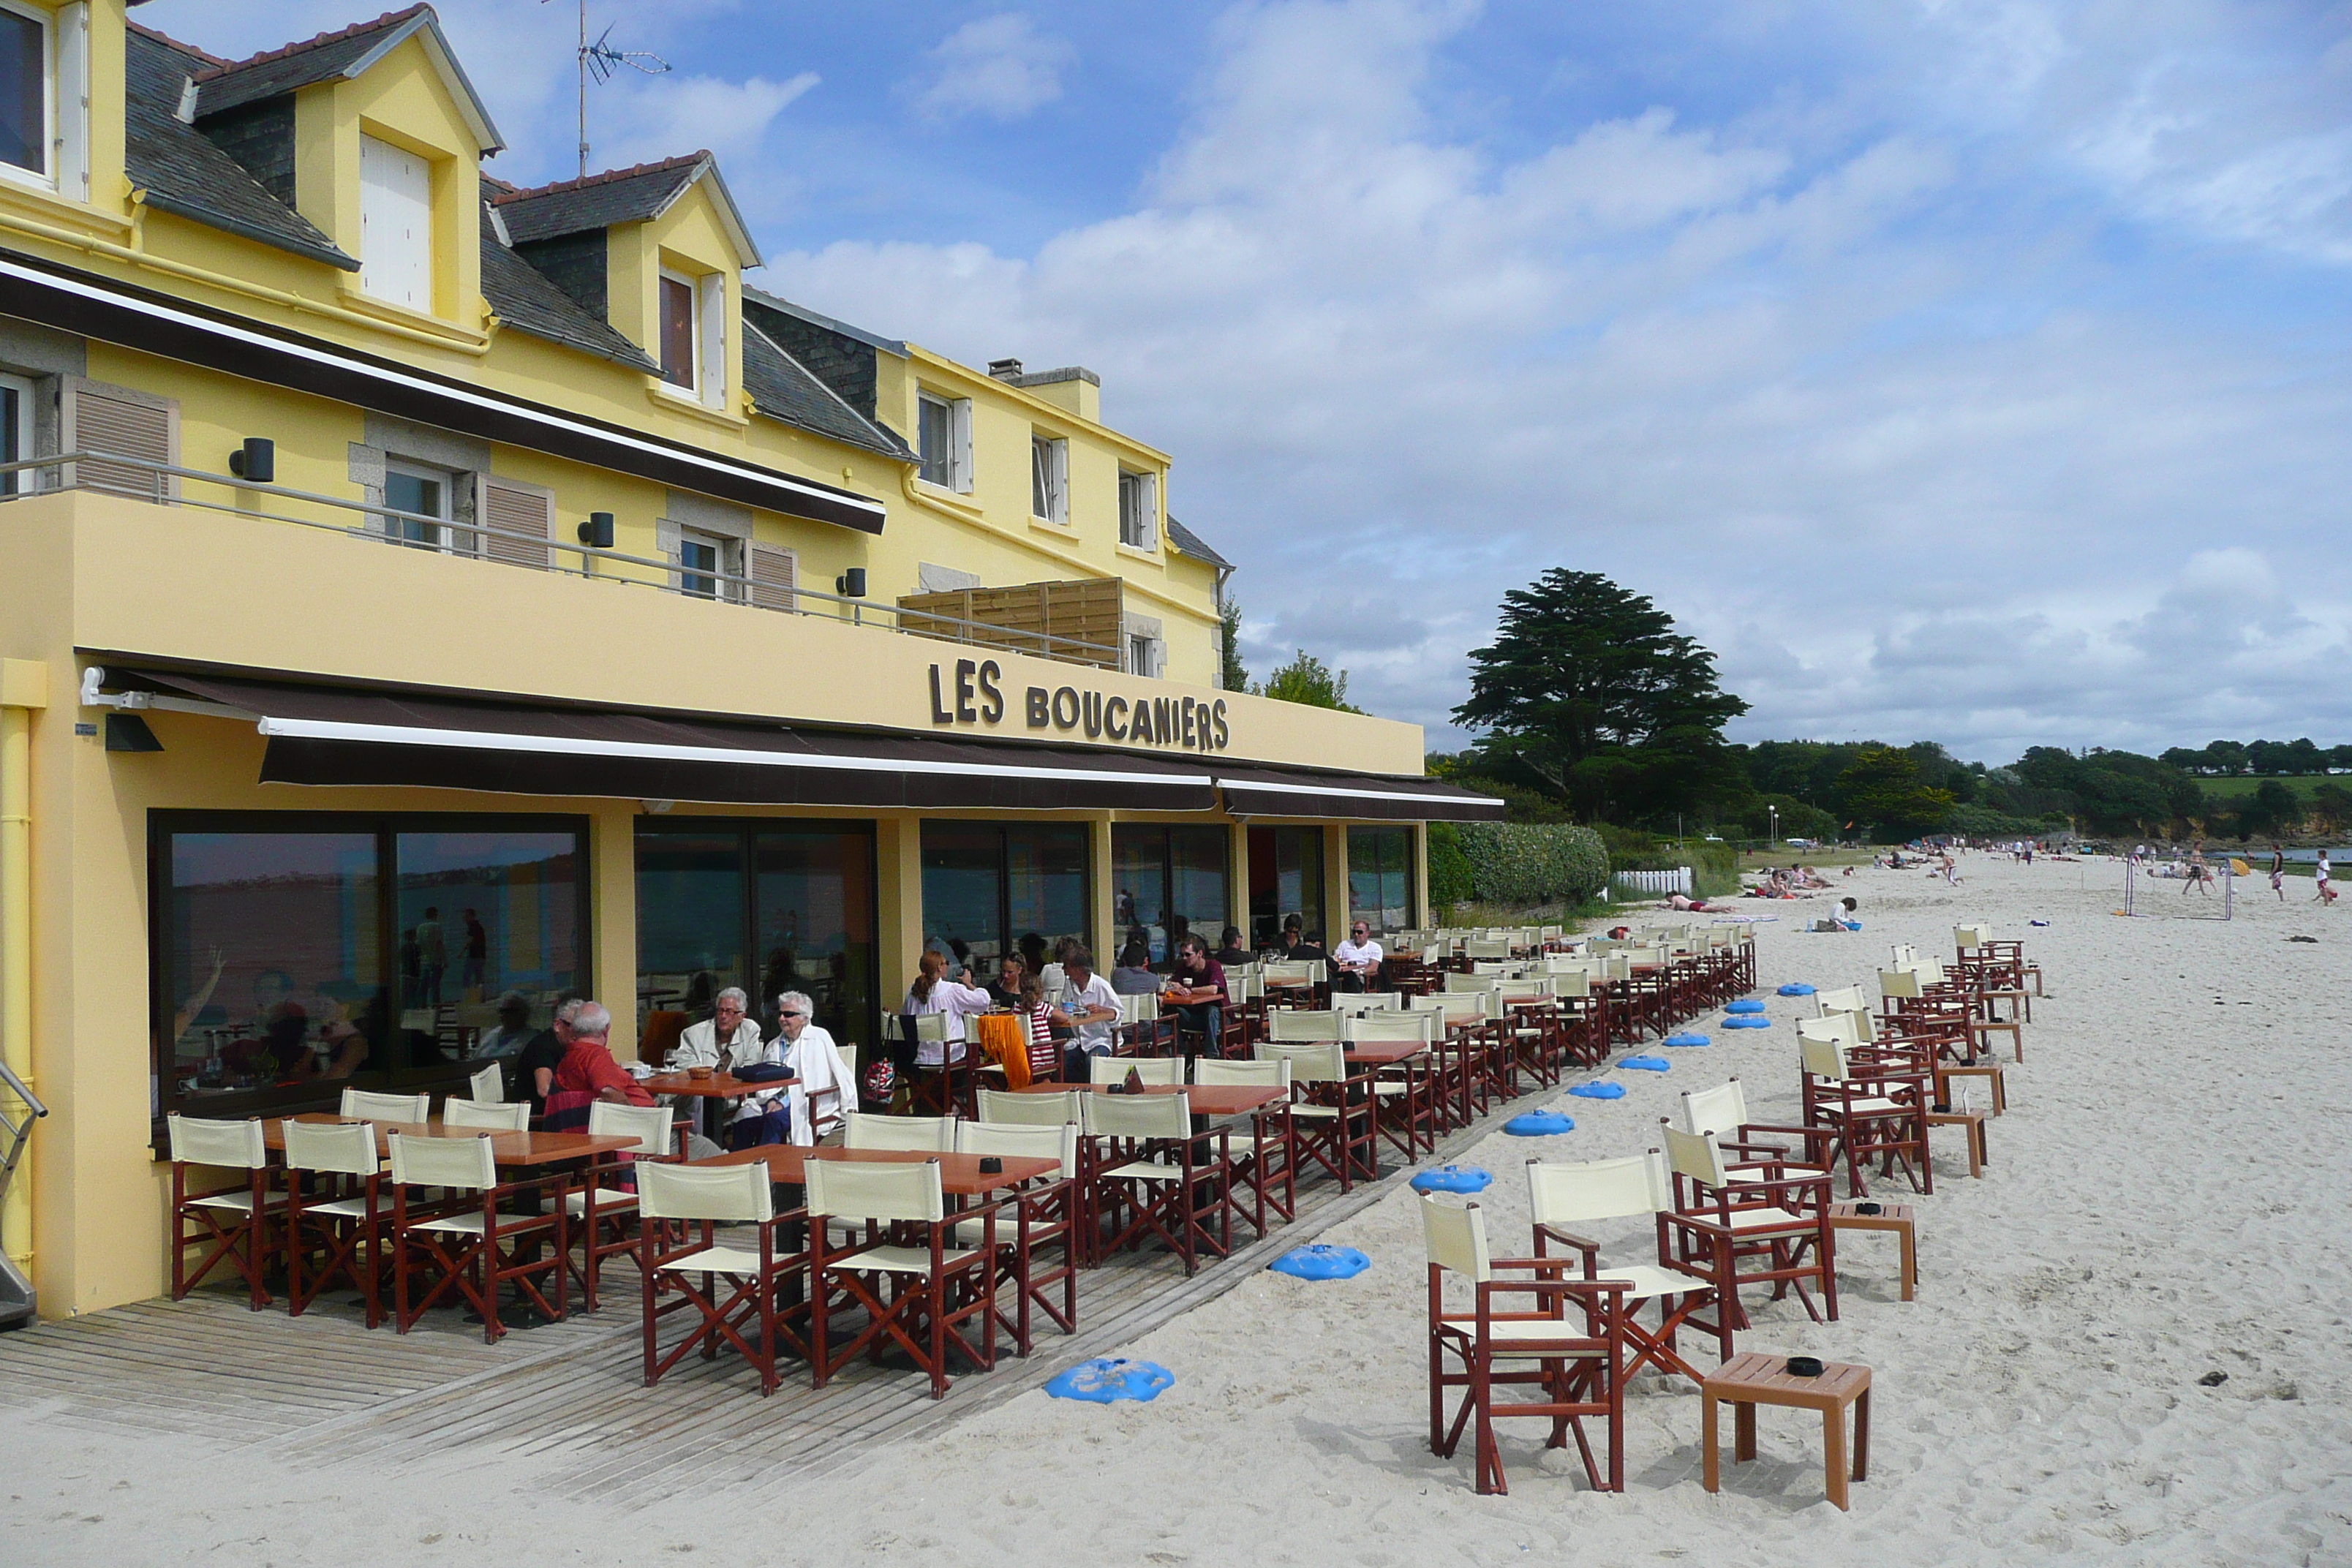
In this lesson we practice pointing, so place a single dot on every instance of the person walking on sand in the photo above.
(2199, 877)
(2278, 872)
(2327, 893)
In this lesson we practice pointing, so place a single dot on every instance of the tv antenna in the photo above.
(601, 60)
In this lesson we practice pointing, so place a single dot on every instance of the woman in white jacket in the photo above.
(825, 1097)
(933, 992)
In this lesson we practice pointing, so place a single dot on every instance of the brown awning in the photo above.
(1271, 792)
(338, 735)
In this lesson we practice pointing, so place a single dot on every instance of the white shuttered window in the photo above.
(395, 225)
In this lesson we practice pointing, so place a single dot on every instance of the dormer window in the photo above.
(395, 225)
(25, 75)
(694, 335)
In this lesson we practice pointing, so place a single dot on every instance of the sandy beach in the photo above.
(2166, 1200)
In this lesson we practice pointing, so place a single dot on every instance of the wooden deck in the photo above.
(212, 1369)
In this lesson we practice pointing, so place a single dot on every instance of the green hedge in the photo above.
(1527, 864)
(1449, 869)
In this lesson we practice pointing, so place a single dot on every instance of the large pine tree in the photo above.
(1588, 689)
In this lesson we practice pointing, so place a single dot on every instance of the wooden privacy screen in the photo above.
(1087, 612)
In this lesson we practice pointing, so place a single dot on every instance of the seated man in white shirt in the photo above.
(1091, 1009)
(726, 1040)
(1356, 963)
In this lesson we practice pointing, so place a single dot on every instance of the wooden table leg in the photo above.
(1710, 1470)
(1862, 1435)
(1743, 1432)
(1909, 1237)
(1833, 1457)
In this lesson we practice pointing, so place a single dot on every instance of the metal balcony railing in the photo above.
(143, 480)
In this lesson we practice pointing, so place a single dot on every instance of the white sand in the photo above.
(2167, 1198)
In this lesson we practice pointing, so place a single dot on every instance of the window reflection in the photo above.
(1286, 869)
(993, 888)
(1379, 877)
(1167, 882)
(481, 917)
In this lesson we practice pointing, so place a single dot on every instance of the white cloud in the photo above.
(1897, 462)
(648, 117)
(1001, 66)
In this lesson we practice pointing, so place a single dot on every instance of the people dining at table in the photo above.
(933, 992)
(1039, 1019)
(1012, 970)
(825, 1096)
(1133, 977)
(588, 1066)
(1091, 1009)
(1197, 994)
(1356, 963)
(728, 1038)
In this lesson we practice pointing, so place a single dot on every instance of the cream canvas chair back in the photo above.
(1820, 1057)
(1224, 1074)
(1479, 947)
(1899, 983)
(1001, 1109)
(1493, 968)
(1903, 954)
(1150, 1070)
(1059, 1144)
(648, 1124)
(1456, 1238)
(1431, 954)
(1967, 937)
(732, 1194)
(362, 1106)
(844, 1189)
(1139, 1115)
(1422, 1026)
(1621, 964)
(1551, 933)
(1846, 999)
(461, 1165)
(494, 1116)
(1694, 1157)
(1141, 1009)
(1599, 1189)
(489, 1085)
(1458, 1006)
(1456, 981)
(1929, 971)
(930, 1028)
(346, 1148)
(1536, 989)
(1706, 1112)
(1842, 1030)
(1290, 969)
(1299, 1024)
(1311, 1061)
(921, 1134)
(239, 1145)
(1365, 1002)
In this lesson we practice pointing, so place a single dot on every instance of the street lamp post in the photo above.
(1774, 839)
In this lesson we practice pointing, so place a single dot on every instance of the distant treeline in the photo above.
(2227, 759)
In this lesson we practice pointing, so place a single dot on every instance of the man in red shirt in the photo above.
(589, 1067)
(1196, 990)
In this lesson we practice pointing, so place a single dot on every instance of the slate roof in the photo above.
(224, 85)
(183, 172)
(600, 201)
(525, 300)
(1190, 543)
(784, 390)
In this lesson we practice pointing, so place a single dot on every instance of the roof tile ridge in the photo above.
(608, 176)
(170, 42)
(286, 51)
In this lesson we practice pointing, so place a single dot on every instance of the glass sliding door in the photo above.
(1168, 882)
(767, 906)
(1379, 877)
(993, 888)
(295, 952)
(1286, 868)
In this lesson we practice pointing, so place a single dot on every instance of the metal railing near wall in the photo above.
(142, 479)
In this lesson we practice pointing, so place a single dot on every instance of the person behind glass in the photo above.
(933, 992)
(588, 1066)
(477, 951)
(1230, 949)
(726, 1040)
(1357, 961)
(1091, 1008)
(1133, 977)
(433, 948)
(1196, 987)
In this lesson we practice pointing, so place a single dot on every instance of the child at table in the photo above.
(1039, 1016)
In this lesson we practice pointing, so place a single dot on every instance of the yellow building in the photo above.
(422, 592)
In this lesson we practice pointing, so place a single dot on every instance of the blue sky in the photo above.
(1972, 370)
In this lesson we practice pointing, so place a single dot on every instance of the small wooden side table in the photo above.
(1993, 1071)
(1753, 1378)
(1896, 1217)
(1980, 1155)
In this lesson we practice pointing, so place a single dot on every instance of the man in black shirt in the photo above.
(1230, 949)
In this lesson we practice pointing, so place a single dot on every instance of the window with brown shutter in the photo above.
(774, 573)
(127, 423)
(511, 507)
(677, 330)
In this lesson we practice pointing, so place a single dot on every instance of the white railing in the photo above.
(1657, 883)
(380, 525)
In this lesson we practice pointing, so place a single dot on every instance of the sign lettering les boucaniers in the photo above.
(973, 693)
